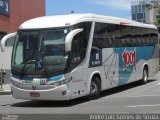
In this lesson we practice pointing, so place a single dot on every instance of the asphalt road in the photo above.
(133, 98)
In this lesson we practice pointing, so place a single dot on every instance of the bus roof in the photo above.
(71, 19)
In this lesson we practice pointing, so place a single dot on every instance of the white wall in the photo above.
(150, 16)
(5, 58)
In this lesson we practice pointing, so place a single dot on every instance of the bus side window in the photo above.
(75, 58)
(79, 45)
(100, 39)
(94, 50)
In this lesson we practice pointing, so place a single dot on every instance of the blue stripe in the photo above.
(56, 78)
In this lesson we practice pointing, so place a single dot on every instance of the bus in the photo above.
(64, 57)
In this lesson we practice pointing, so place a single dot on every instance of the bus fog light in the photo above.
(15, 83)
(64, 93)
(56, 84)
(62, 82)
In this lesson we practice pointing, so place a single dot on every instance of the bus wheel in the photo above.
(95, 88)
(145, 76)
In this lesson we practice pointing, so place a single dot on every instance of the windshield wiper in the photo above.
(26, 63)
(45, 70)
(44, 66)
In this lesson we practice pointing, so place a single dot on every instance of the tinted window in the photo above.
(79, 45)
(139, 15)
(100, 39)
(133, 16)
(114, 35)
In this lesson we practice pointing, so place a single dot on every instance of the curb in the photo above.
(5, 92)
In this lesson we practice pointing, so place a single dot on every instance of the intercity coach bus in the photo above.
(64, 57)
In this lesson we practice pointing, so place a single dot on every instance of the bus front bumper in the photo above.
(59, 93)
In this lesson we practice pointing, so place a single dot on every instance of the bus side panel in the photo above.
(110, 67)
(127, 63)
(154, 62)
(124, 65)
(78, 83)
(132, 60)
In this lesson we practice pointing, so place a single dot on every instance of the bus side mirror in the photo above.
(69, 38)
(5, 38)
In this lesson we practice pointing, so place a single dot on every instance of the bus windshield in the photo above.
(40, 52)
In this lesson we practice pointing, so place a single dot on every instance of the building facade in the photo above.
(12, 14)
(15, 12)
(138, 11)
(145, 11)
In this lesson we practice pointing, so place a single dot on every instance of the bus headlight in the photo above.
(15, 83)
(62, 82)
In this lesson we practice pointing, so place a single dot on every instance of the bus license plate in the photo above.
(35, 94)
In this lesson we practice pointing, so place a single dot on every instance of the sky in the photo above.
(117, 8)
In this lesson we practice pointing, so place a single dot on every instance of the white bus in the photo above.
(69, 56)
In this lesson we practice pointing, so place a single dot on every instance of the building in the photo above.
(145, 11)
(15, 12)
(138, 11)
(12, 14)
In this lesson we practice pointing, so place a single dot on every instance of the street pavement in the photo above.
(5, 89)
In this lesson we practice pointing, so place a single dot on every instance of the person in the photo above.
(2, 73)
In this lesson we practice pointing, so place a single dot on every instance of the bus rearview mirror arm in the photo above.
(5, 38)
(69, 38)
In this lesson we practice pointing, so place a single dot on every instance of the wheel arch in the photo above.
(145, 66)
(94, 74)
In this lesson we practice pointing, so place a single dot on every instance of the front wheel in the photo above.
(145, 76)
(95, 88)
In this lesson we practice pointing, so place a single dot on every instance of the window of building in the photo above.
(133, 9)
(139, 9)
(134, 17)
(140, 16)
(136, 9)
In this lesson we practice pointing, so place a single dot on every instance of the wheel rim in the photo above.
(93, 88)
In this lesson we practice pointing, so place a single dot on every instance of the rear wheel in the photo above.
(145, 76)
(95, 88)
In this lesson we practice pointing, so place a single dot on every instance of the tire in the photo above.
(145, 76)
(95, 89)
